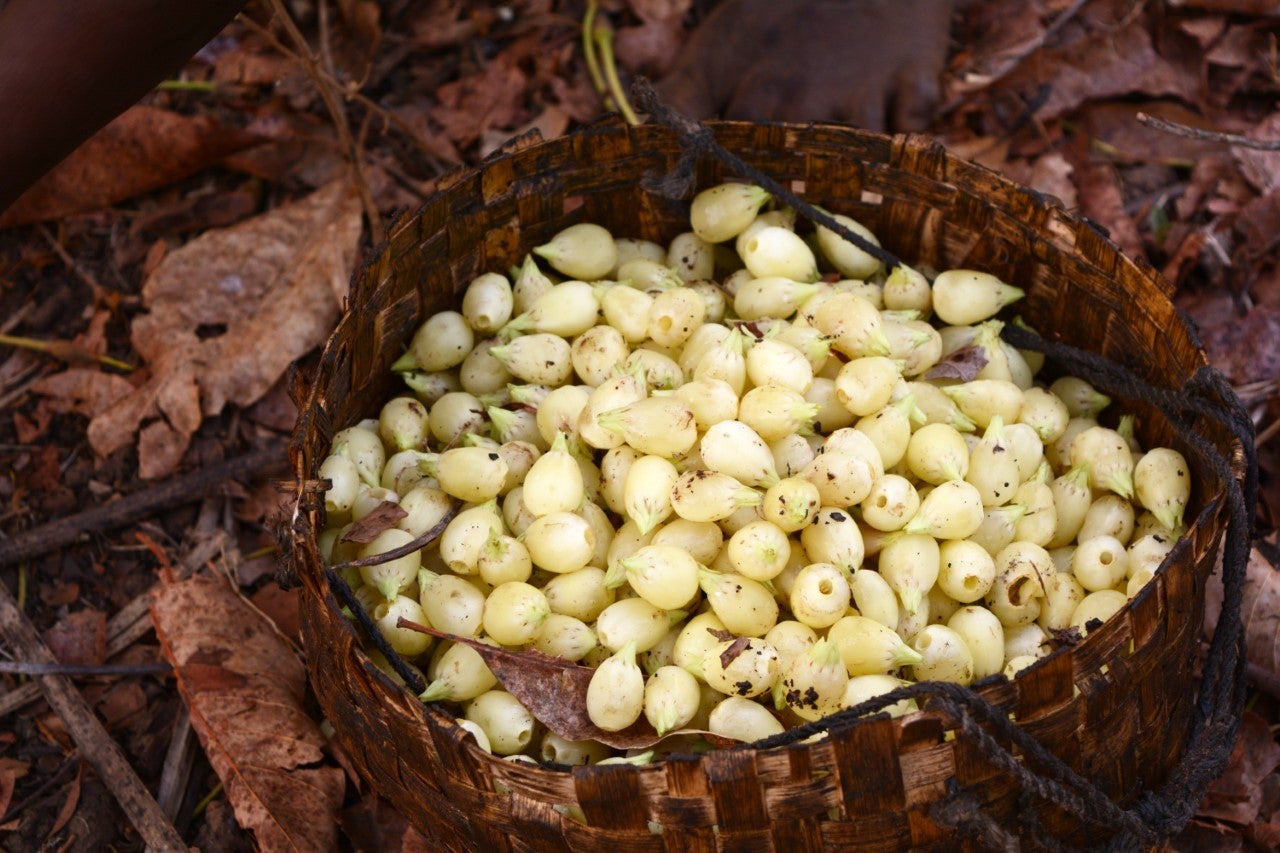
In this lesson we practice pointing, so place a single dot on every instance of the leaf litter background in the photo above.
(207, 237)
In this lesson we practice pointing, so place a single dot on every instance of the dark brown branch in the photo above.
(83, 670)
(1184, 130)
(407, 548)
(171, 492)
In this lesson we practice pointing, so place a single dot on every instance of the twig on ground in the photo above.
(178, 763)
(83, 670)
(63, 350)
(336, 113)
(1184, 130)
(99, 292)
(88, 732)
(64, 531)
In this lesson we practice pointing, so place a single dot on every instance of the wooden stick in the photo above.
(64, 531)
(88, 733)
(1186, 130)
(84, 670)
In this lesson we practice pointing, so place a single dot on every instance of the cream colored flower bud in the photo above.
(519, 424)
(504, 559)
(671, 699)
(1040, 521)
(993, 469)
(1148, 552)
(1022, 443)
(558, 409)
(658, 371)
(450, 603)
(738, 718)
(710, 496)
(834, 537)
(726, 361)
(364, 448)
(910, 564)
(581, 594)
(983, 635)
(1109, 515)
(660, 426)
(1028, 640)
(733, 448)
(843, 477)
(529, 284)
(456, 413)
(945, 656)
(402, 424)
(615, 694)
(554, 482)
(514, 613)
(853, 324)
(572, 753)
(387, 614)
(984, 399)
(951, 510)
(1146, 524)
(514, 513)
(465, 537)
(791, 504)
(775, 412)
(675, 315)
(626, 541)
(937, 454)
(1099, 606)
(792, 453)
(632, 621)
(891, 503)
(1109, 458)
(781, 218)
(615, 465)
(457, 674)
(488, 302)
(1059, 452)
(744, 606)
(759, 550)
(863, 688)
(868, 648)
(999, 524)
(540, 358)
(691, 257)
(663, 575)
(775, 251)
(647, 491)
(698, 635)
(771, 296)
(431, 386)
(440, 343)
(814, 682)
(1072, 498)
(649, 275)
(850, 260)
(1018, 592)
(597, 352)
(1081, 398)
(874, 598)
(1015, 665)
(889, 429)
(1044, 412)
(1062, 594)
(713, 297)
(390, 577)
(567, 309)
(560, 542)
(1162, 483)
(907, 289)
(710, 400)
(618, 392)
(831, 413)
(701, 540)
(628, 248)
(963, 297)
(472, 474)
(344, 479)
(774, 362)
(965, 570)
(1100, 563)
(627, 310)
(745, 666)
(820, 595)
(584, 251)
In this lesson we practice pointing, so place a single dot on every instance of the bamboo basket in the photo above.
(1117, 707)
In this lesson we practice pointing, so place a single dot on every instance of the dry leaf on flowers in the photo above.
(245, 689)
(228, 313)
(144, 149)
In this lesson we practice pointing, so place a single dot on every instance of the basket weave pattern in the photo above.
(1117, 707)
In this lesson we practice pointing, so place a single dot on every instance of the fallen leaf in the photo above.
(82, 390)
(228, 313)
(143, 149)
(245, 690)
(1259, 610)
(382, 517)
(1236, 795)
(963, 364)
(8, 781)
(1102, 201)
(472, 105)
(79, 638)
(659, 10)
(1261, 168)
(553, 689)
(68, 805)
(281, 607)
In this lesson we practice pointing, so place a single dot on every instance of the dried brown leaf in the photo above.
(553, 689)
(245, 689)
(79, 637)
(659, 10)
(1236, 796)
(1101, 199)
(228, 313)
(85, 391)
(382, 517)
(1259, 609)
(143, 149)
(963, 364)
(492, 98)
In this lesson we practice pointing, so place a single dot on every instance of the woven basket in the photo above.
(1117, 707)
